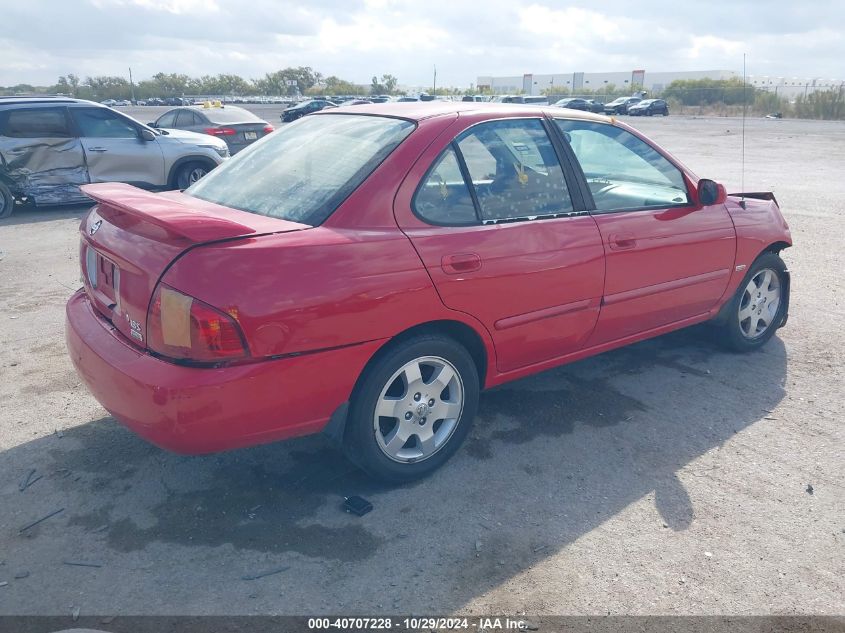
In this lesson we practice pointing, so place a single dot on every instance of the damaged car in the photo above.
(51, 146)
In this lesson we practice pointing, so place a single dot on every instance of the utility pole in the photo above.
(434, 87)
(132, 85)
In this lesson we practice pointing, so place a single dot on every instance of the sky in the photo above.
(356, 39)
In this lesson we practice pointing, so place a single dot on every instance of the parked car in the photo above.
(573, 103)
(109, 103)
(620, 105)
(595, 106)
(366, 276)
(406, 99)
(533, 99)
(306, 107)
(352, 102)
(649, 107)
(473, 98)
(237, 127)
(51, 146)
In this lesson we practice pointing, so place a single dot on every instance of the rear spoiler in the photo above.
(171, 215)
(758, 195)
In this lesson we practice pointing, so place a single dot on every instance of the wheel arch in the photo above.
(775, 247)
(465, 334)
(181, 162)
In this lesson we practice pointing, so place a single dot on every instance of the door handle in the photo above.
(97, 149)
(621, 241)
(460, 263)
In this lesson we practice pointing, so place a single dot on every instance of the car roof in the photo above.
(9, 102)
(419, 110)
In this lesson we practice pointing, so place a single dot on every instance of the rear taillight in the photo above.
(220, 131)
(268, 129)
(183, 328)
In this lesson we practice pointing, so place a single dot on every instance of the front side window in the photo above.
(37, 123)
(443, 197)
(102, 123)
(623, 172)
(514, 170)
(307, 169)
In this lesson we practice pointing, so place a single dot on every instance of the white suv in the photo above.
(50, 146)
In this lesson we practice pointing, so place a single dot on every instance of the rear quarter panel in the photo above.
(314, 289)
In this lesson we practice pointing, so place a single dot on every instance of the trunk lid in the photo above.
(131, 237)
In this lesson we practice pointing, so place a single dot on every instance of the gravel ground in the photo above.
(666, 478)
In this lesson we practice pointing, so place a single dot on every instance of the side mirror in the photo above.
(147, 135)
(711, 192)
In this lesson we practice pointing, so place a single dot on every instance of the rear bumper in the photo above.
(201, 410)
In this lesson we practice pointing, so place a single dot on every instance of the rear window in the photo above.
(230, 115)
(307, 169)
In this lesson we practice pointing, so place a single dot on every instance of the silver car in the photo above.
(238, 127)
(50, 146)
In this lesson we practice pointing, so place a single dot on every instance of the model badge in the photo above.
(95, 227)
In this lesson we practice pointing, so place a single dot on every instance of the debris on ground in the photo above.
(44, 518)
(264, 574)
(21, 575)
(30, 479)
(75, 613)
(357, 505)
(80, 563)
(809, 489)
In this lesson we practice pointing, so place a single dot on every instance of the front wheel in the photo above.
(412, 409)
(189, 173)
(759, 305)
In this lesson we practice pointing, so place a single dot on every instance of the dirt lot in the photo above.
(666, 478)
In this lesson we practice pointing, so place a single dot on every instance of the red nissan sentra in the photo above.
(367, 271)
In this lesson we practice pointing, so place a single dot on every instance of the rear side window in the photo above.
(514, 170)
(443, 197)
(305, 170)
(186, 118)
(37, 123)
(102, 123)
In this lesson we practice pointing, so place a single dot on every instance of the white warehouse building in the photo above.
(575, 81)
(650, 81)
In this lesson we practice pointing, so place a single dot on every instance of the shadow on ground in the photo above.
(550, 458)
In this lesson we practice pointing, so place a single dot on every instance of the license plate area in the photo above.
(103, 277)
(250, 136)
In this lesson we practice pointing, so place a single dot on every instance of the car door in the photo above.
(492, 214)
(668, 258)
(114, 149)
(40, 154)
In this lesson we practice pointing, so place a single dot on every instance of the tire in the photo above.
(747, 324)
(189, 173)
(7, 202)
(414, 442)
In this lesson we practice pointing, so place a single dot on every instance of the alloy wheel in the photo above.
(759, 304)
(418, 409)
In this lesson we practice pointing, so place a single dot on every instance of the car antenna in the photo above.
(744, 110)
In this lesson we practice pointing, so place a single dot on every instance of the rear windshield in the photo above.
(307, 169)
(229, 115)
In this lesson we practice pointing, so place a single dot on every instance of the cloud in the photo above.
(356, 39)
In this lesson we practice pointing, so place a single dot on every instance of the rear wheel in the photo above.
(412, 409)
(189, 173)
(758, 307)
(7, 201)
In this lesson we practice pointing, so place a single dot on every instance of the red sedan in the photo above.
(367, 271)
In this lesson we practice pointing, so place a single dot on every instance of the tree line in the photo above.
(301, 80)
